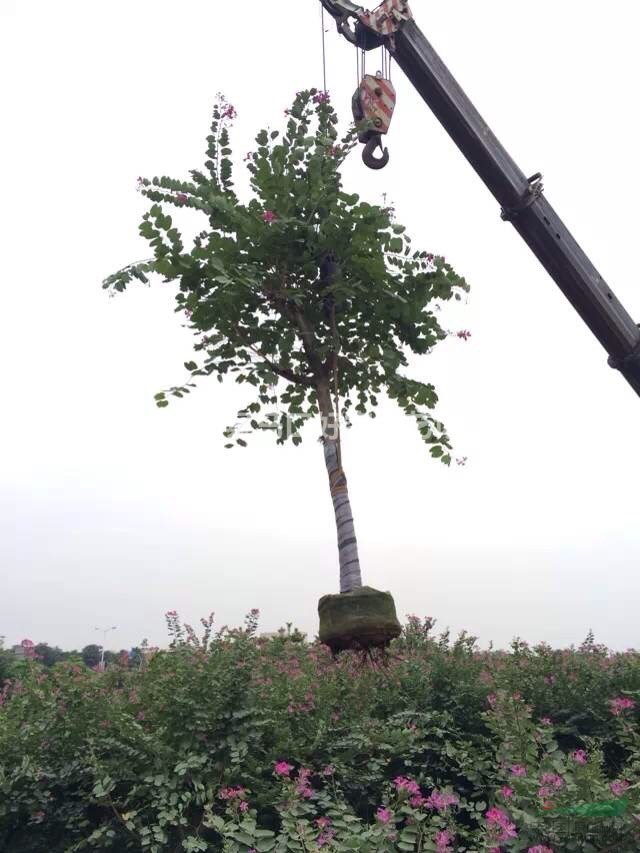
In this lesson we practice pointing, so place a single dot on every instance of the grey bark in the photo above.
(350, 576)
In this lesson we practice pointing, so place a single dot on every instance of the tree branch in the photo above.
(308, 338)
(284, 372)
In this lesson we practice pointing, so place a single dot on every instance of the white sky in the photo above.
(112, 511)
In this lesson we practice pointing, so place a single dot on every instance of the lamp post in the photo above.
(105, 631)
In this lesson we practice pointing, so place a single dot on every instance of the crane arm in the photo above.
(521, 198)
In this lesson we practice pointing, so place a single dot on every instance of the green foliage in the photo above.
(91, 654)
(251, 290)
(7, 662)
(48, 655)
(232, 742)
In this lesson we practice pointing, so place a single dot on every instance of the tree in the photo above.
(307, 294)
(7, 661)
(48, 655)
(136, 658)
(92, 654)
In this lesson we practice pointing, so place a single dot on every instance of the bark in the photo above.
(350, 577)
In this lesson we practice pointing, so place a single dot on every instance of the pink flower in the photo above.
(462, 460)
(619, 787)
(321, 98)
(622, 703)
(383, 815)
(546, 721)
(244, 806)
(323, 822)
(463, 334)
(442, 840)
(282, 768)
(553, 780)
(183, 198)
(492, 699)
(579, 756)
(500, 827)
(507, 792)
(229, 112)
(518, 770)
(325, 837)
(549, 679)
(269, 216)
(540, 848)
(302, 785)
(329, 770)
(28, 648)
(440, 801)
(232, 793)
(403, 784)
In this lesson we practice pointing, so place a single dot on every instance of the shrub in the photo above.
(229, 741)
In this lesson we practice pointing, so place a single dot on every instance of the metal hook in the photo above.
(368, 157)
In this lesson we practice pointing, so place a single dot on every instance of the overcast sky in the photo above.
(112, 511)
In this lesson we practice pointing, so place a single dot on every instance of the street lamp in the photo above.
(105, 631)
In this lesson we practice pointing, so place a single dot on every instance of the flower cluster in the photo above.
(383, 815)
(303, 786)
(619, 787)
(443, 841)
(499, 826)
(621, 704)
(327, 833)
(28, 649)
(441, 800)
(236, 797)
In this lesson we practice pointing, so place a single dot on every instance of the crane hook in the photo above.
(368, 156)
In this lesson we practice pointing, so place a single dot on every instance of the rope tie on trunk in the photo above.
(337, 482)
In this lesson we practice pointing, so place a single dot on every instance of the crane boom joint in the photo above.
(534, 190)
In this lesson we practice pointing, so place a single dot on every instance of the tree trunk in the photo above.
(350, 577)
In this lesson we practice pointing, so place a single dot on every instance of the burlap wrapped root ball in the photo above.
(361, 619)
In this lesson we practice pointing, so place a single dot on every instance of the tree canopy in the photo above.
(251, 288)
